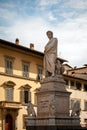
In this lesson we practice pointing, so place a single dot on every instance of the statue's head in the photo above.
(49, 34)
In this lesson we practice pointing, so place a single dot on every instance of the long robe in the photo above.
(50, 55)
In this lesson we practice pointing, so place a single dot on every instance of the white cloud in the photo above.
(7, 5)
(77, 4)
(7, 14)
(51, 16)
(47, 2)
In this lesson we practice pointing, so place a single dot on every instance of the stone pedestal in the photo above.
(53, 99)
(53, 107)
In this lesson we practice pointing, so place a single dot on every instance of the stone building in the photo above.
(76, 83)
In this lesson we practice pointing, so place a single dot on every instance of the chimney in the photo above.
(17, 41)
(32, 46)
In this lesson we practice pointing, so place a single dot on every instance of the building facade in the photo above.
(76, 83)
(20, 71)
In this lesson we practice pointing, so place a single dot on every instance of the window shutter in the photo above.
(29, 96)
(9, 67)
(9, 94)
(25, 70)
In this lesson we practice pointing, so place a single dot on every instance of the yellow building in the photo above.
(20, 71)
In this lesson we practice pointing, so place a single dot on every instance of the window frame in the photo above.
(78, 85)
(9, 90)
(9, 64)
(72, 83)
(9, 93)
(22, 94)
(25, 65)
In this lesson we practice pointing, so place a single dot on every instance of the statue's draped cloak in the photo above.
(50, 55)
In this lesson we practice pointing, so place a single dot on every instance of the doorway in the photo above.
(8, 122)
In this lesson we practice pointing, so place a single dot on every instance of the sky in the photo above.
(29, 20)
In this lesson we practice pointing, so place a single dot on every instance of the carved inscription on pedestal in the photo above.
(43, 106)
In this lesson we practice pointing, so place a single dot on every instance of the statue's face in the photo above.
(49, 35)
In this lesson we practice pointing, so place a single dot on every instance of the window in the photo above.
(85, 105)
(9, 64)
(9, 89)
(25, 94)
(71, 83)
(9, 93)
(78, 85)
(40, 72)
(26, 70)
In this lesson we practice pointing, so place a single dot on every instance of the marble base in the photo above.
(53, 99)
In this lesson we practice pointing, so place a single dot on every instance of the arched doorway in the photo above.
(8, 122)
